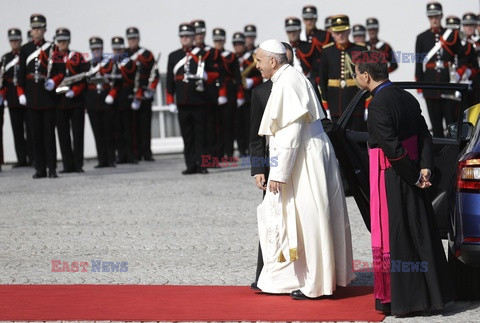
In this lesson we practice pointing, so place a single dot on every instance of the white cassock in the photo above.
(304, 231)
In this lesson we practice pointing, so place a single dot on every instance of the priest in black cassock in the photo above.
(410, 267)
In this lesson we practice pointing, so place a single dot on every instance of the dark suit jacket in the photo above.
(258, 149)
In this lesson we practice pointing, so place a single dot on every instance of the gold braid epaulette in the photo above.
(328, 45)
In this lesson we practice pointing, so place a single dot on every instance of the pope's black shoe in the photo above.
(297, 294)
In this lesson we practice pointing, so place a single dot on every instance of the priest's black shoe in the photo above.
(254, 286)
(52, 174)
(101, 165)
(79, 170)
(297, 294)
(67, 170)
(149, 158)
(202, 170)
(189, 171)
(22, 164)
(39, 175)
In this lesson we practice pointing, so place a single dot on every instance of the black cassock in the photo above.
(410, 266)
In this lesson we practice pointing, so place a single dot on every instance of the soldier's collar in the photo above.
(344, 46)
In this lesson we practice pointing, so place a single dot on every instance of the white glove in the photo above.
(49, 85)
(148, 94)
(70, 94)
(248, 83)
(365, 114)
(22, 100)
(457, 77)
(205, 76)
(467, 74)
(240, 102)
(136, 104)
(172, 107)
(1, 99)
(222, 100)
(329, 116)
(109, 99)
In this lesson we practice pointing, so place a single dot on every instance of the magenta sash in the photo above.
(379, 216)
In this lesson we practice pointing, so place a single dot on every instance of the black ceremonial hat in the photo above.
(292, 24)
(14, 34)
(238, 37)
(95, 42)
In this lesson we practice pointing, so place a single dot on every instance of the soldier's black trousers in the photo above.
(228, 125)
(103, 122)
(438, 110)
(22, 136)
(42, 123)
(123, 130)
(242, 128)
(192, 126)
(2, 110)
(142, 130)
(71, 123)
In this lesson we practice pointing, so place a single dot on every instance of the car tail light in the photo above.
(468, 176)
(471, 239)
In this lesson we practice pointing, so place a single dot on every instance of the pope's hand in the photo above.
(275, 187)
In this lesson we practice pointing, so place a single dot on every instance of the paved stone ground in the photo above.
(169, 228)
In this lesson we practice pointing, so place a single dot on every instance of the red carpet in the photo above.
(178, 303)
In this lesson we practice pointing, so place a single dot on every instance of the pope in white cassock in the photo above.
(303, 223)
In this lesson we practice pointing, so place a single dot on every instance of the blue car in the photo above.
(464, 232)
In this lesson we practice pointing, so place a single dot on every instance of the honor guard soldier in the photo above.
(125, 74)
(306, 57)
(101, 114)
(452, 22)
(186, 78)
(213, 123)
(317, 37)
(250, 33)
(36, 60)
(9, 93)
(230, 94)
(379, 45)
(469, 73)
(337, 83)
(359, 34)
(142, 105)
(443, 50)
(251, 77)
(69, 86)
(328, 23)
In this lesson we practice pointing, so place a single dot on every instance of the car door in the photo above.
(352, 152)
